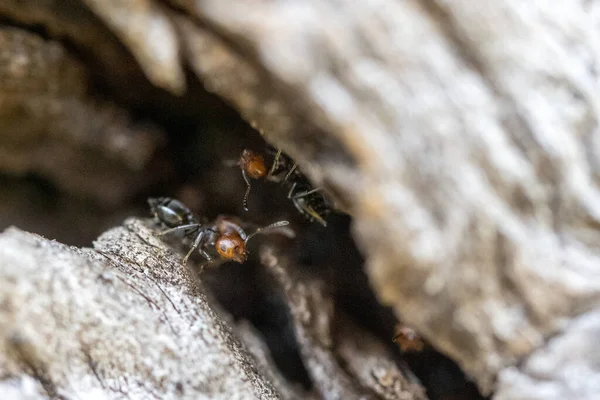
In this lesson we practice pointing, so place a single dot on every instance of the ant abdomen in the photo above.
(170, 212)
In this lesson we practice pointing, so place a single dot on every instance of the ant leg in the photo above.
(304, 194)
(201, 266)
(248, 186)
(275, 164)
(212, 263)
(295, 200)
(206, 255)
(305, 209)
(203, 252)
(291, 171)
(291, 191)
(177, 228)
(297, 196)
(194, 247)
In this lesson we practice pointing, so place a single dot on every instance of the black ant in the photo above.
(307, 200)
(222, 240)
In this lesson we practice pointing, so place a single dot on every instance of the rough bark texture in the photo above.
(126, 320)
(261, 354)
(368, 371)
(463, 139)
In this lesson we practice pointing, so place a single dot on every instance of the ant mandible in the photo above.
(222, 240)
(307, 200)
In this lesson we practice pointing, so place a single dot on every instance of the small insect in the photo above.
(408, 339)
(219, 241)
(307, 200)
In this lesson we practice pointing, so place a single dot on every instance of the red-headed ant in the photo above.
(222, 240)
(307, 200)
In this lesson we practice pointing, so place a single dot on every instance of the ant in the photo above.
(408, 339)
(307, 200)
(222, 240)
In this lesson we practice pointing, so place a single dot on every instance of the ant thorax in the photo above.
(226, 225)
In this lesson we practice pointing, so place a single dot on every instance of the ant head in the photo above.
(253, 164)
(232, 247)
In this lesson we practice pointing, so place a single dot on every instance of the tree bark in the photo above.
(463, 139)
(126, 320)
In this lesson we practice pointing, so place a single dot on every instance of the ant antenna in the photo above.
(248, 186)
(272, 226)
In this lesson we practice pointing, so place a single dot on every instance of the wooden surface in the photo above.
(463, 139)
(125, 320)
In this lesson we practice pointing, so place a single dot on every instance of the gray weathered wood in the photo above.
(462, 137)
(123, 321)
(325, 336)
